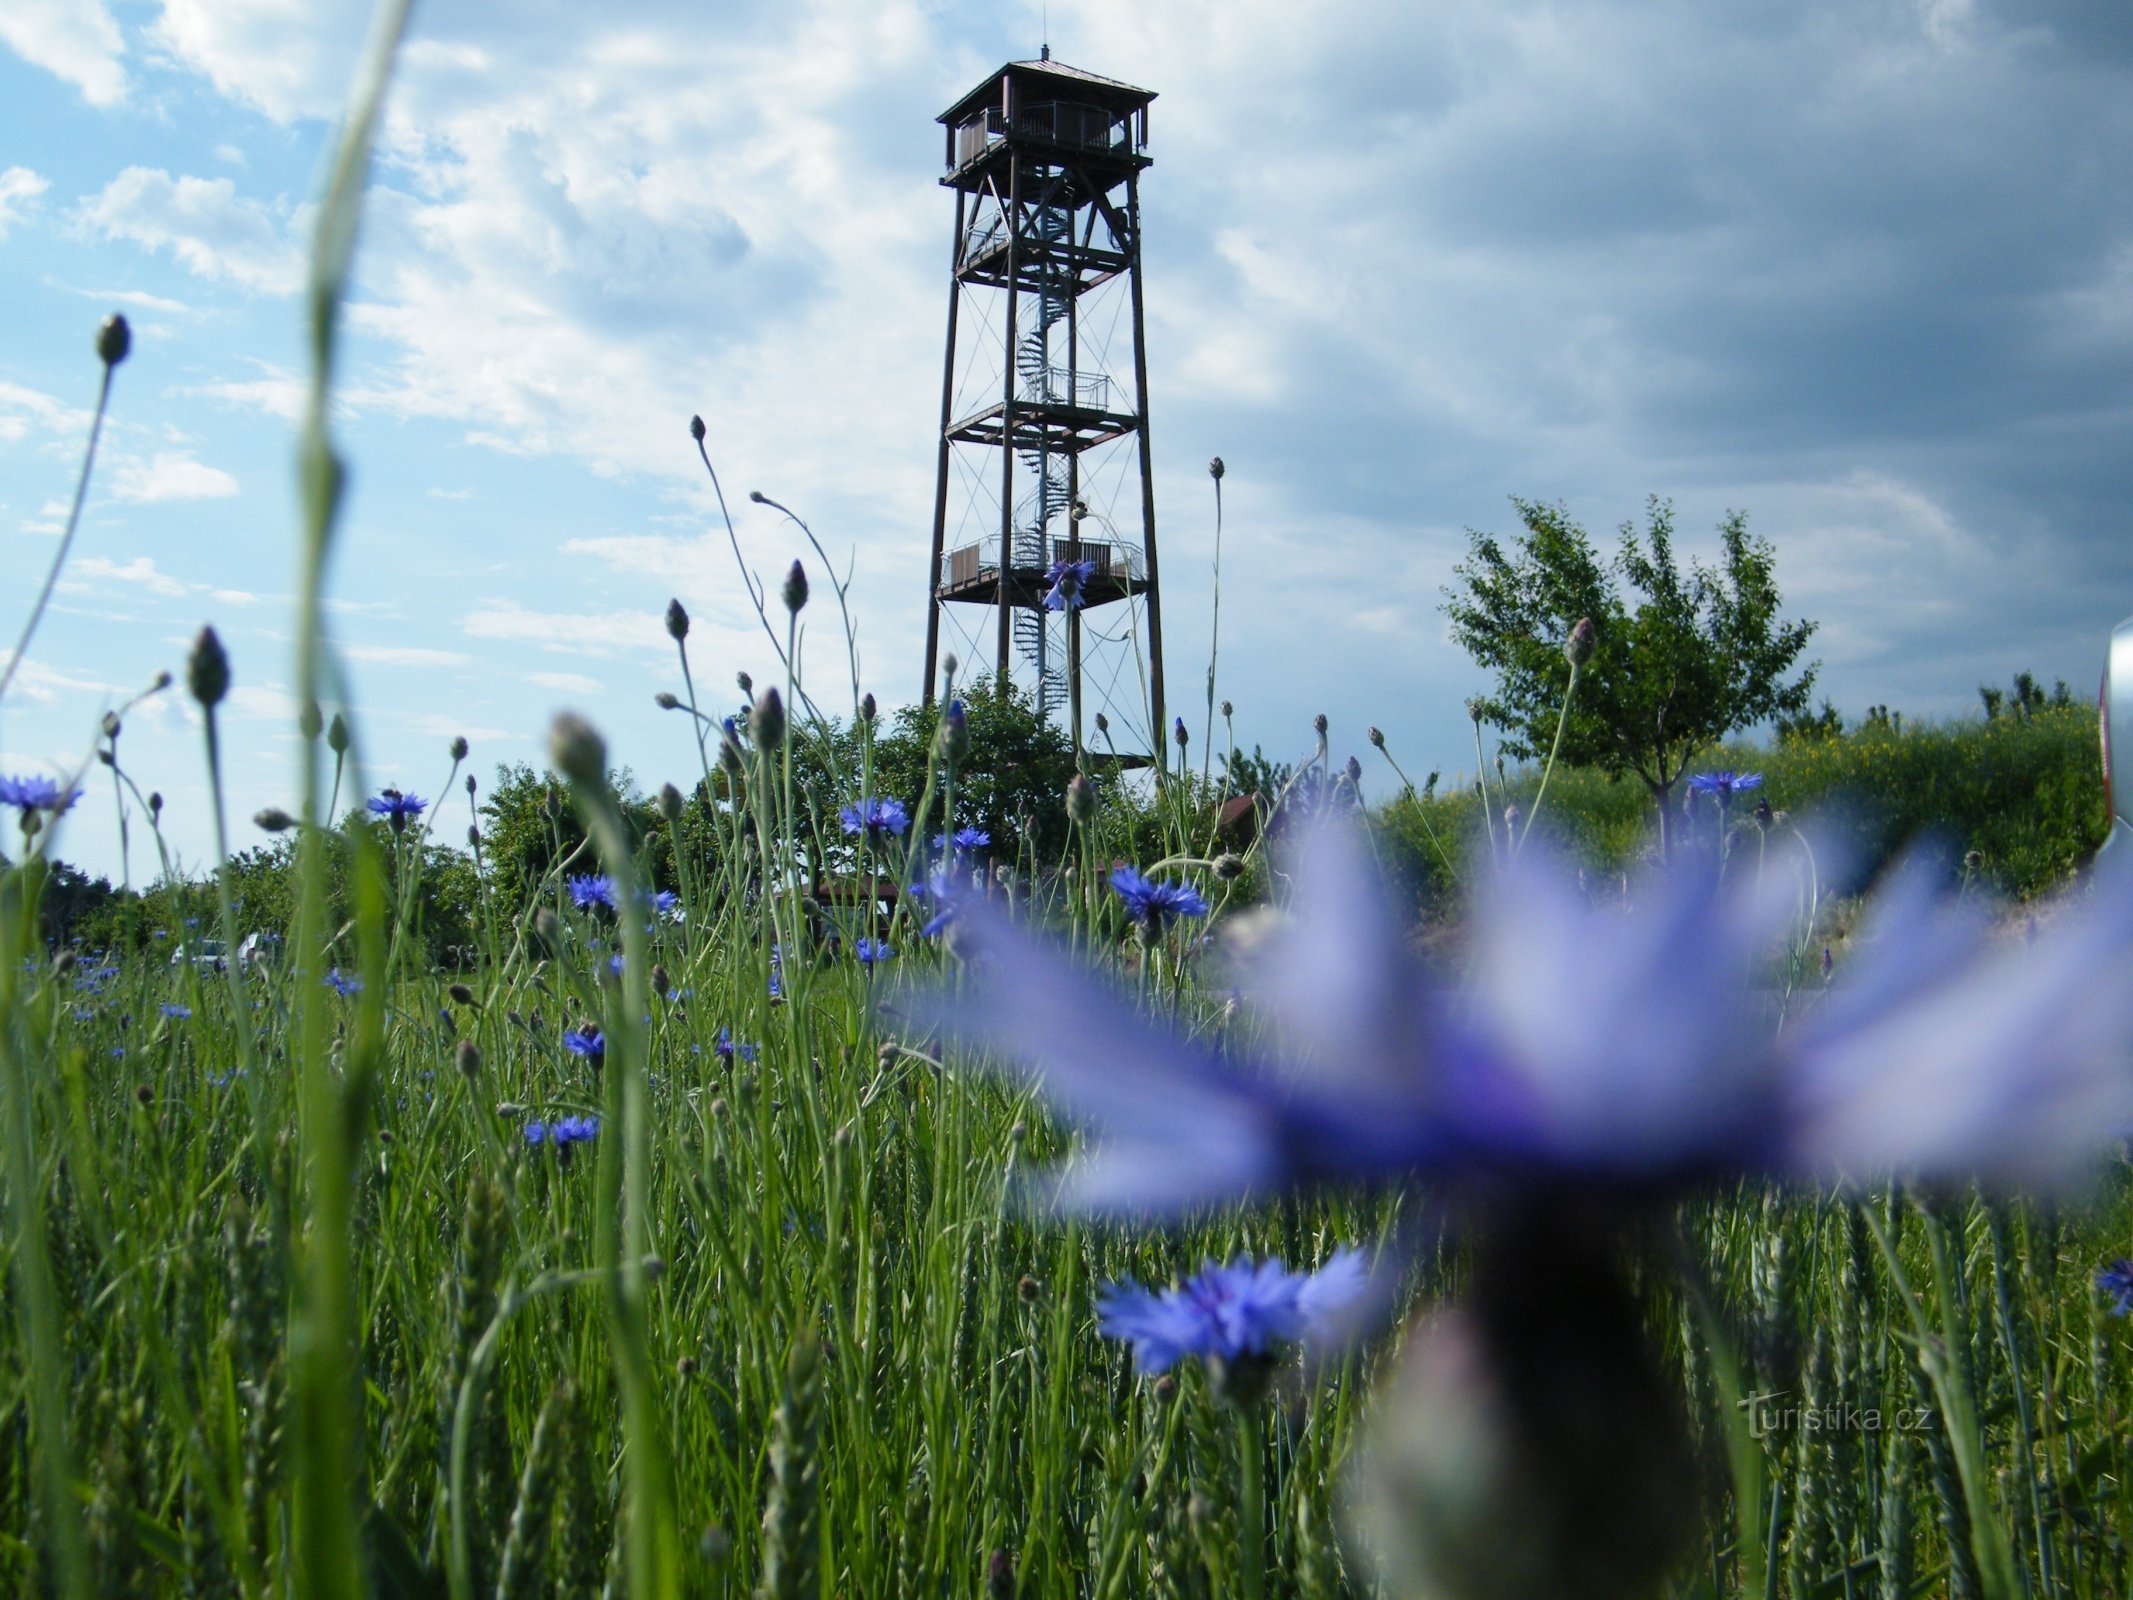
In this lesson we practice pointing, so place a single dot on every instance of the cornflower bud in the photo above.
(473, 837)
(795, 591)
(111, 725)
(1377, 738)
(1215, 469)
(470, 785)
(667, 700)
(459, 749)
(207, 670)
(460, 993)
(1103, 723)
(766, 723)
(1318, 724)
(114, 339)
(1226, 709)
(696, 429)
(1228, 865)
(1578, 648)
(954, 736)
(467, 1058)
(274, 820)
(155, 802)
(1178, 733)
(1354, 769)
(337, 737)
(746, 683)
(576, 750)
(670, 802)
(308, 719)
(1473, 711)
(868, 710)
(1080, 799)
(677, 621)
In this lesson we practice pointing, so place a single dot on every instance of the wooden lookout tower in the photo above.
(1044, 457)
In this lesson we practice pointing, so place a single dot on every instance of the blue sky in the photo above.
(1864, 271)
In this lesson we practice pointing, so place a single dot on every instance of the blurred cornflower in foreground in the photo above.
(1633, 1051)
(1228, 1312)
(586, 1042)
(1593, 1065)
(2116, 1280)
(341, 985)
(877, 819)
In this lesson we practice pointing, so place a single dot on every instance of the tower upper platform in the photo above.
(1047, 109)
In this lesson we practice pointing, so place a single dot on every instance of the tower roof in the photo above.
(1087, 86)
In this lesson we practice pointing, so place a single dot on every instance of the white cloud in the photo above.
(44, 684)
(19, 189)
(280, 394)
(23, 409)
(170, 475)
(596, 633)
(287, 60)
(141, 570)
(264, 702)
(565, 682)
(139, 299)
(397, 655)
(234, 597)
(204, 222)
(74, 40)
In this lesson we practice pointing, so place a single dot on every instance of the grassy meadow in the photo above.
(633, 1239)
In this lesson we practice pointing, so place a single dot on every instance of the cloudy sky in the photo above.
(1862, 269)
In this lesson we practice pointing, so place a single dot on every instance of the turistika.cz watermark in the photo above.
(1768, 1414)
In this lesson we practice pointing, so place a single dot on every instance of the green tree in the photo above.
(1012, 783)
(1701, 654)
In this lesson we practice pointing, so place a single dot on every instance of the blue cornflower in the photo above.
(1224, 1313)
(586, 1042)
(1620, 1051)
(591, 889)
(2116, 1280)
(36, 794)
(340, 985)
(877, 819)
(728, 1050)
(936, 892)
(563, 1132)
(663, 901)
(1723, 786)
(1151, 904)
(397, 808)
(872, 952)
(170, 1008)
(1068, 580)
(965, 840)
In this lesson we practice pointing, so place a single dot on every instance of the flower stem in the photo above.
(66, 539)
(1251, 1509)
(1548, 771)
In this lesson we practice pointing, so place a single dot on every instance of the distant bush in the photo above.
(2025, 791)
